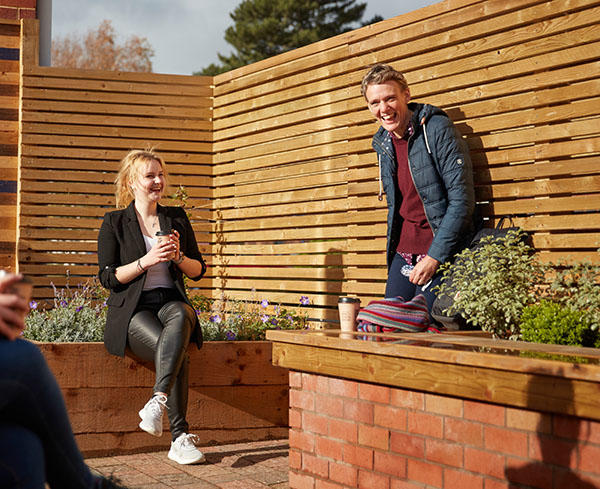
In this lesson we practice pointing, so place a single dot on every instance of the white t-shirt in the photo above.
(157, 275)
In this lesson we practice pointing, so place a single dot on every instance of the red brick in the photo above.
(486, 463)
(295, 418)
(301, 481)
(343, 430)
(528, 420)
(530, 474)
(465, 432)
(309, 382)
(328, 448)
(302, 399)
(398, 484)
(444, 405)
(301, 440)
(343, 473)
(314, 423)
(374, 393)
(375, 437)
(9, 13)
(315, 465)
(389, 417)
(427, 473)
(20, 3)
(575, 428)
(321, 484)
(369, 480)
(295, 459)
(358, 456)
(485, 413)
(330, 406)
(407, 399)
(295, 379)
(390, 464)
(444, 452)
(589, 458)
(462, 479)
(405, 444)
(552, 450)
(505, 441)
(589, 431)
(345, 388)
(358, 411)
(495, 484)
(26, 14)
(426, 424)
(571, 480)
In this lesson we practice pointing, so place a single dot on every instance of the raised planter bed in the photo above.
(236, 395)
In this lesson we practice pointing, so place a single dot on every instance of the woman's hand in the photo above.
(161, 252)
(13, 309)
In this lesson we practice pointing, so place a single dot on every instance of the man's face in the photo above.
(387, 101)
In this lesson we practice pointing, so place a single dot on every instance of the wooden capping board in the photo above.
(472, 367)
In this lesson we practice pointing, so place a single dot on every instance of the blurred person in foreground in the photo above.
(425, 171)
(37, 445)
(149, 314)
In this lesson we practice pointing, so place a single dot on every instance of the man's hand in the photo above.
(424, 270)
(13, 308)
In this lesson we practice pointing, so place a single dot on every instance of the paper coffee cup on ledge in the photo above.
(348, 308)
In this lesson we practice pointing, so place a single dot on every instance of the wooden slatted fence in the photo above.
(279, 152)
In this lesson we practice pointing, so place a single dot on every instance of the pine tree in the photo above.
(265, 28)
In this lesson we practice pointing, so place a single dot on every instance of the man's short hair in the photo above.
(381, 73)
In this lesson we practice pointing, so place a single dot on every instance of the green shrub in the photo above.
(550, 322)
(229, 319)
(493, 283)
(79, 314)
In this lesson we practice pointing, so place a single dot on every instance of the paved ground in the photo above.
(255, 465)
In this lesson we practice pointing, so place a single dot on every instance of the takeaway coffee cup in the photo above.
(162, 236)
(348, 308)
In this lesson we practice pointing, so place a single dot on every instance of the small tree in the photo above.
(265, 28)
(99, 50)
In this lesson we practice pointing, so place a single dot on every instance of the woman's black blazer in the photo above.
(120, 241)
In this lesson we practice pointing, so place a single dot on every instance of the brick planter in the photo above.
(236, 395)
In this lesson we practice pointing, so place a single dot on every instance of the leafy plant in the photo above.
(79, 314)
(229, 319)
(551, 322)
(491, 284)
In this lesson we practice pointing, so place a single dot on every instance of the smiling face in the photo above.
(388, 101)
(150, 182)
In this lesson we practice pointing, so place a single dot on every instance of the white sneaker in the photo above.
(152, 415)
(184, 451)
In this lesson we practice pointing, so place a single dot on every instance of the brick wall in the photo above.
(348, 434)
(18, 9)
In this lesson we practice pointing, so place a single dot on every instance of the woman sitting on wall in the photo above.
(149, 313)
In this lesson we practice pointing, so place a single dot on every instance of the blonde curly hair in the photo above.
(129, 171)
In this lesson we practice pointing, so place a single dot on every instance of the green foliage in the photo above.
(264, 28)
(550, 322)
(578, 287)
(79, 314)
(228, 319)
(493, 283)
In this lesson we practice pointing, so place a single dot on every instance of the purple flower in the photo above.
(63, 303)
(215, 318)
(104, 304)
(304, 300)
(290, 318)
(230, 335)
(274, 321)
(264, 318)
(33, 305)
(79, 309)
(264, 303)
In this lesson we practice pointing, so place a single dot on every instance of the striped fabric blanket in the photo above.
(396, 316)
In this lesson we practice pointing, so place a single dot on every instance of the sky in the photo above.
(186, 35)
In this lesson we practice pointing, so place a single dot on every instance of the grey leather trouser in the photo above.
(159, 332)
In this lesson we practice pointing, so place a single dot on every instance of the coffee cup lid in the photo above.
(162, 233)
(352, 300)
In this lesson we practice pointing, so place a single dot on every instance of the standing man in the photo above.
(426, 174)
